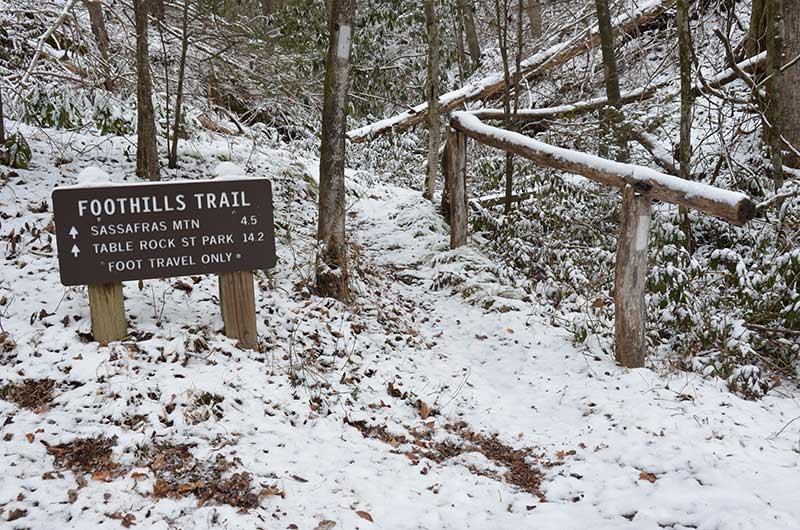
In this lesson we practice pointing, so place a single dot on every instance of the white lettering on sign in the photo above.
(209, 201)
(160, 204)
(131, 205)
(343, 43)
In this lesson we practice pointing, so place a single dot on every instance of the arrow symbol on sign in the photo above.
(75, 250)
(73, 232)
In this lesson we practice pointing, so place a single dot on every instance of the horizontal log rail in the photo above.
(732, 206)
(640, 186)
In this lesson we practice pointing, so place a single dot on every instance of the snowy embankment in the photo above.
(416, 408)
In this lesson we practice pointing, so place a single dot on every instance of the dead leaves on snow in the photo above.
(178, 473)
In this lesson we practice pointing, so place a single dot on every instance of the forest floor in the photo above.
(412, 408)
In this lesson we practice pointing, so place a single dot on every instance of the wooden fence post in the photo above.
(456, 182)
(107, 311)
(631, 278)
(237, 302)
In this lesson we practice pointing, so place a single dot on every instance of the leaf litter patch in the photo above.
(32, 394)
(177, 473)
(87, 456)
(519, 467)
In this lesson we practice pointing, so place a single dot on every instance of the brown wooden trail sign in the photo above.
(114, 233)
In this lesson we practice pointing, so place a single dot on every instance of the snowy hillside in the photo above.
(411, 409)
(454, 388)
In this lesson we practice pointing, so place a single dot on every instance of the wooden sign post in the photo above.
(115, 233)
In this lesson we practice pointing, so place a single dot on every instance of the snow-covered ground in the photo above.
(416, 408)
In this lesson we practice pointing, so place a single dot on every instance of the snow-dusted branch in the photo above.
(40, 45)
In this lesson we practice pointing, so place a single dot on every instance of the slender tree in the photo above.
(458, 30)
(332, 269)
(432, 32)
(775, 52)
(503, 18)
(612, 115)
(687, 106)
(98, 24)
(146, 147)
(473, 43)
(757, 32)
(173, 152)
(2, 121)
(788, 83)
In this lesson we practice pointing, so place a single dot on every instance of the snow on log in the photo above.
(732, 206)
(633, 96)
(552, 57)
(580, 107)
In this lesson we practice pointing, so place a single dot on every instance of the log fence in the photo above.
(640, 186)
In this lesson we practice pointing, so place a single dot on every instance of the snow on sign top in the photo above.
(113, 233)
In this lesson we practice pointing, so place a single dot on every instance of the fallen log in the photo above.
(550, 58)
(732, 206)
(633, 96)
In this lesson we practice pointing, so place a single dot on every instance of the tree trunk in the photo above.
(501, 16)
(687, 103)
(473, 44)
(757, 33)
(173, 153)
(775, 53)
(612, 116)
(432, 29)
(789, 82)
(146, 148)
(97, 21)
(2, 121)
(332, 271)
(534, 8)
(461, 54)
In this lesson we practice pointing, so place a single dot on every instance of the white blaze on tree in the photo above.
(332, 270)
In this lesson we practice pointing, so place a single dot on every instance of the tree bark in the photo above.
(97, 21)
(146, 147)
(612, 116)
(501, 20)
(458, 29)
(757, 33)
(473, 43)
(2, 121)
(773, 111)
(173, 153)
(789, 82)
(332, 268)
(687, 104)
(432, 29)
